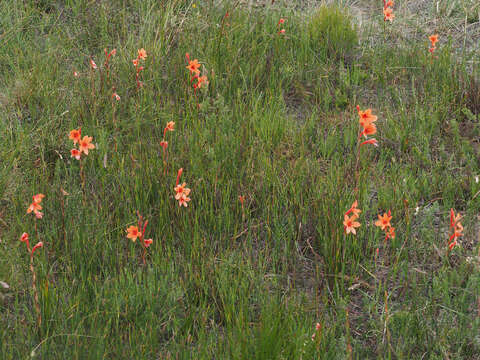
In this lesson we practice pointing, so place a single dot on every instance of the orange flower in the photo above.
(193, 66)
(75, 135)
(181, 191)
(164, 144)
(93, 65)
(24, 237)
(457, 229)
(390, 233)
(147, 242)
(39, 245)
(388, 14)
(374, 142)
(369, 129)
(282, 32)
(389, 3)
(353, 209)
(433, 39)
(35, 206)
(170, 126)
(38, 198)
(85, 144)
(142, 54)
(183, 201)
(116, 96)
(384, 221)
(202, 80)
(366, 117)
(350, 224)
(75, 154)
(135, 62)
(133, 233)
(281, 21)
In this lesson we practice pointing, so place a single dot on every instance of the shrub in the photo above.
(332, 34)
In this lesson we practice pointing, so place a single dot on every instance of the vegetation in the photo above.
(251, 258)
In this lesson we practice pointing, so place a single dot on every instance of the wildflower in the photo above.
(353, 209)
(241, 199)
(24, 237)
(38, 198)
(369, 129)
(133, 233)
(75, 135)
(366, 117)
(93, 65)
(181, 191)
(170, 126)
(35, 206)
(116, 96)
(282, 32)
(85, 144)
(183, 201)
(350, 224)
(457, 229)
(110, 54)
(75, 153)
(388, 14)
(384, 221)
(142, 54)
(135, 62)
(433, 39)
(193, 66)
(318, 327)
(390, 233)
(164, 144)
(374, 142)
(281, 21)
(76, 74)
(38, 245)
(147, 242)
(202, 80)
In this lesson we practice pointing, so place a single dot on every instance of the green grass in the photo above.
(277, 125)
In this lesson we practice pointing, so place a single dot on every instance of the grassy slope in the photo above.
(277, 125)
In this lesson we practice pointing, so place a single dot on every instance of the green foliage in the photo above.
(332, 32)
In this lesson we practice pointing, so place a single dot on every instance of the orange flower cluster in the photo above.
(349, 222)
(142, 55)
(388, 14)
(108, 55)
(133, 232)
(193, 66)
(456, 228)
(181, 191)
(24, 238)
(35, 206)
(367, 120)
(93, 66)
(84, 144)
(433, 41)
(169, 127)
(279, 25)
(383, 222)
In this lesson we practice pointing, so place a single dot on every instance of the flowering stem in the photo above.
(357, 162)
